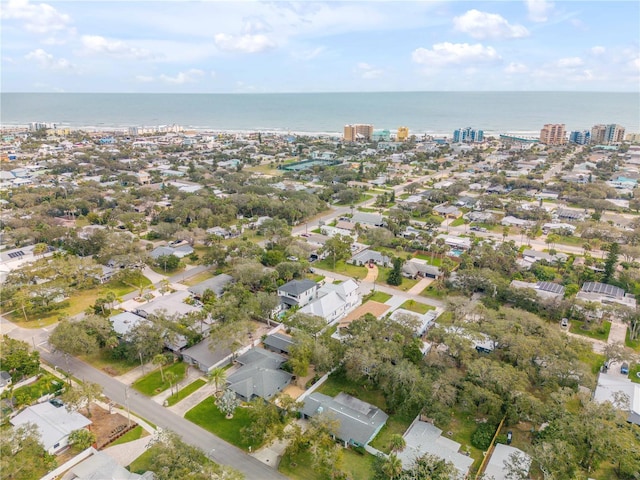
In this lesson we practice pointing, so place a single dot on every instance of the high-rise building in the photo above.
(553, 134)
(358, 132)
(468, 135)
(403, 134)
(610, 133)
(580, 138)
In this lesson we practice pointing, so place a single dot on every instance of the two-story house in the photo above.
(297, 293)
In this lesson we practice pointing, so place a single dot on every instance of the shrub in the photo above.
(481, 438)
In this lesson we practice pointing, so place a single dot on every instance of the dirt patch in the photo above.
(294, 390)
(375, 308)
(106, 426)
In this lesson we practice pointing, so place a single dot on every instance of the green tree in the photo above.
(611, 261)
(17, 359)
(392, 466)
(82, 438)
(397, 443)
(395, 275)
(82, 394)
(218, 377)
(338, 248)
(69, 337)
(227, 403)
(168, 262)
(22, 455)
(160, 360)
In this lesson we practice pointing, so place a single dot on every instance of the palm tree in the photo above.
(161, 360)
(397, 443)
(218, 377)
(171, 377)
(392, 466)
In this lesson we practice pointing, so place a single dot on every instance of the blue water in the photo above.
(422, 112)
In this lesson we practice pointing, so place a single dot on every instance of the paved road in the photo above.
(218, 450)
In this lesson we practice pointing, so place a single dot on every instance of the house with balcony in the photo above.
(297, 293)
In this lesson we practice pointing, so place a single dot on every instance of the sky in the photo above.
(175, 46)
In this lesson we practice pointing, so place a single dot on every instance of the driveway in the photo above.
(618, 333)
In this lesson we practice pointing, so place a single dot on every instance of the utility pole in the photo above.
(126, 396)
(141, 364)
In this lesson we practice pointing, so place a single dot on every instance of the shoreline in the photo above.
(268, 131)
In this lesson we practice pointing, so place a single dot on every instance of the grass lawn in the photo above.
(207, 415)
(457, 222)
(432, 292)
(598, 332)
(436, 262)
(264, 168)
(357, 467)
(144, 462)
(462, 426)
(634, 371)
(130, 436)
(46, 384)
(570, 240)
(152, 384)
(342, 267)
(102, 361)
(396, 424)
(594, 360)
(186, 391)
(317, 278)
(379, 296)
(634, 344)
(416, 307)
(407, 283)
(201, 277)
(367, 210)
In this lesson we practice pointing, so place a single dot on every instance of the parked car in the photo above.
(624, 368)
(509, 437)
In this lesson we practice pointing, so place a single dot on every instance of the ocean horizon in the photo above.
(315, 113)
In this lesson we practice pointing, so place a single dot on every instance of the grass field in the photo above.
(130, 436)
(355, 465)
(207, 415)
(407, 283)
(152, 384)
(436, 262)
(598, 332)
(432, 292)
(201, 277)
(634, 371)
(102, 361)
(634, 344)
(186, 391)
(379, 297)
(342, 267)
(457, 222)
(416, 307)
(46, 384)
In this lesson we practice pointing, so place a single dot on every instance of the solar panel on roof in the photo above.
(550, 287)
(17, 254)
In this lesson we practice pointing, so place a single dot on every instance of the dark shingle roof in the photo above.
(296, 287)
(279, 341)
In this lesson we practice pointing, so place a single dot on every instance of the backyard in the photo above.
(357, 466)
(598, 332)
(417, 307)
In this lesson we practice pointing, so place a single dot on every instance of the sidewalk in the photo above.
(136, 373)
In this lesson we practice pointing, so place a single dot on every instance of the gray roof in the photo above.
(423, 437)
(215, 284)
(496, 466)
(125, 321)
(172, 304)
(204, 355)
(603, 289)
(368, 255)
(54, 423)
(160, 251)
(101, 466)
(297, 287)
(259, 375)
(551, 287)
(279, 341)
(359, 421)
(367, 218)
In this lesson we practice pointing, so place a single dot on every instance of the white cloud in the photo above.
(309, 54)
(445, 54)
(247, 43)
(181, 78)
(47, 61)
(39, 18)
(539, 10)
(97, 45)
(213, 74)
(368, 72)
(144, 78)
(487, 25)
(598, 50)
(515, 67)
(569, 62)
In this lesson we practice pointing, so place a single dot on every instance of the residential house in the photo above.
(297, 293)
(511, 221)
(5, 380)
(330, 231)
(124, 322)
(569, 214)
(529, 257)
(334, 301)
(101, 466)
(180, 251)
(447, 211)
(609, 388)
(425, 438)
(544, 290)
(561, 228)
(423, 321)
(368, 219)
(497, 467)
(259, 375)
(359, 422)
(222, 232)
(202, 356)
(215, 284)
(415, 268)
(278, 342)
(482, 217)
(54, 424)
(461, 243)
(605, 294)
(368, 256)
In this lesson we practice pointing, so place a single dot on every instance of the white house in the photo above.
(334, 301)
(54, 424)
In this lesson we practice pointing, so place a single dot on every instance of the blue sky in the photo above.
(245, 46)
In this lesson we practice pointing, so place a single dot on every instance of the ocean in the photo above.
(423, 112)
